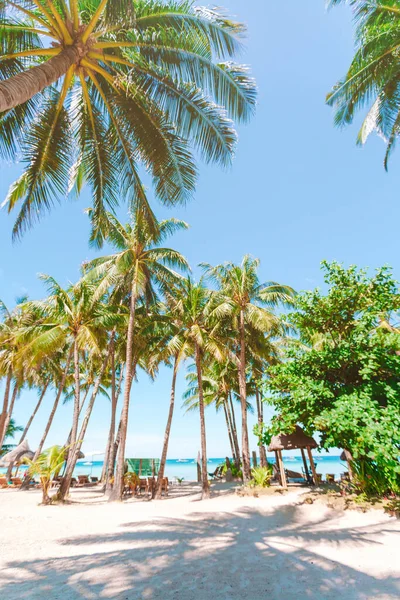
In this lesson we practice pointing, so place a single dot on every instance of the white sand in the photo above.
(222, 549)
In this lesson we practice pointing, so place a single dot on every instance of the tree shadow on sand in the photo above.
(245, 555)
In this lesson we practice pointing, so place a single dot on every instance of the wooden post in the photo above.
(198, 468)
(228, 463)
(312, 465)
(153, 467)
(303, 456)
(282, 470)
(254, 454)
(277, 465)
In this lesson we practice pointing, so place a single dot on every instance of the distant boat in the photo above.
(87, 463)
(182, 460)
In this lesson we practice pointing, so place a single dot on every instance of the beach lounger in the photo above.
(330, 478)
(83, 481)
(94, 479)
(217, 475)
(4, 482)
(16, 481)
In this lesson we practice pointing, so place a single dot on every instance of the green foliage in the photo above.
(46, 466)
(261, 476)
(157, 84)
(347, 385)
(12, 429)
(372, 78)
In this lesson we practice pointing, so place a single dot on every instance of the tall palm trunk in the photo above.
(167, 432)
(234, 429)
(260, 420)
(55, 405)
(110, 453)
(77, 399)
(204, 475)
(74, 451)
(111, 432)
(116, 493)
(23, 86)
(229, 428)
(11, 408)
(33, 415)
(243, 401)
(3, 415)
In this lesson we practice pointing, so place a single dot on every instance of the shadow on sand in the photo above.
(248, 555)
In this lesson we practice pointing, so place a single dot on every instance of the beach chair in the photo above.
(3, 483)
(83, 480)
(16, 481)
(94, 480)
(142, 485)
(295, 475)
(151, 484)
(330, 478)
(217, 475)
(165, 486)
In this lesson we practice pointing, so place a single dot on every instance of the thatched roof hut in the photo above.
(16, 455)
(293, 441)
(345, 458)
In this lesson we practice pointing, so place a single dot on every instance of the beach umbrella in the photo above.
(16, 455)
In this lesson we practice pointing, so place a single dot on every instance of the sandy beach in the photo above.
(179, 548)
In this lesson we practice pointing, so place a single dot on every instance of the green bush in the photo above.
(261, 476)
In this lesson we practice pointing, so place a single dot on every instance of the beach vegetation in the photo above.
(261, 476)
(46, 466)
(371, 81)
(94, 92)
(345, 387)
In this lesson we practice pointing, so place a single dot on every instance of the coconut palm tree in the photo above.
(138, 269)
(246, 304)
(46, 466)
(122, 83)
(372, 78)
(191, 303)
(11, 430)
(171, 348)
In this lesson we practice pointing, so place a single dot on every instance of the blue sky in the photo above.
(299, 191)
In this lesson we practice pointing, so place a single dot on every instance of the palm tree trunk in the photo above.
(116, 493)
(158, 491)
(228, 426)
(29, 423)
(55, 405)
(77, 399)
(204, 475)
(234, 430)
(3, 415)
(111, 432)
(111, 449)
(23, 86)
(74, 452)
(260, 419)
(11, 408)
(243, 402)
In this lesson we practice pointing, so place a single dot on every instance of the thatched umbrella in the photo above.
(293, 441)
(14, 457)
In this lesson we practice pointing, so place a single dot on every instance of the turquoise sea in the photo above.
(186, 467)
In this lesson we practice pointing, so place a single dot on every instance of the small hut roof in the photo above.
(292, 441)
(21, 451)
(344, 457)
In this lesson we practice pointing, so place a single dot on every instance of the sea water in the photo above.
(186, 468)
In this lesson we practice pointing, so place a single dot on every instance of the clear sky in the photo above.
(299, 191)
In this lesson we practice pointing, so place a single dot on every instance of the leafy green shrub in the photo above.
(261, 476)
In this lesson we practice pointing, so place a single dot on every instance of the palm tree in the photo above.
(139, 267)
(246, 304)
(72, 321)
(219, 387)
(122, 83)
(171, 348)
(372, 77)
(46, 466)
(191, 302)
